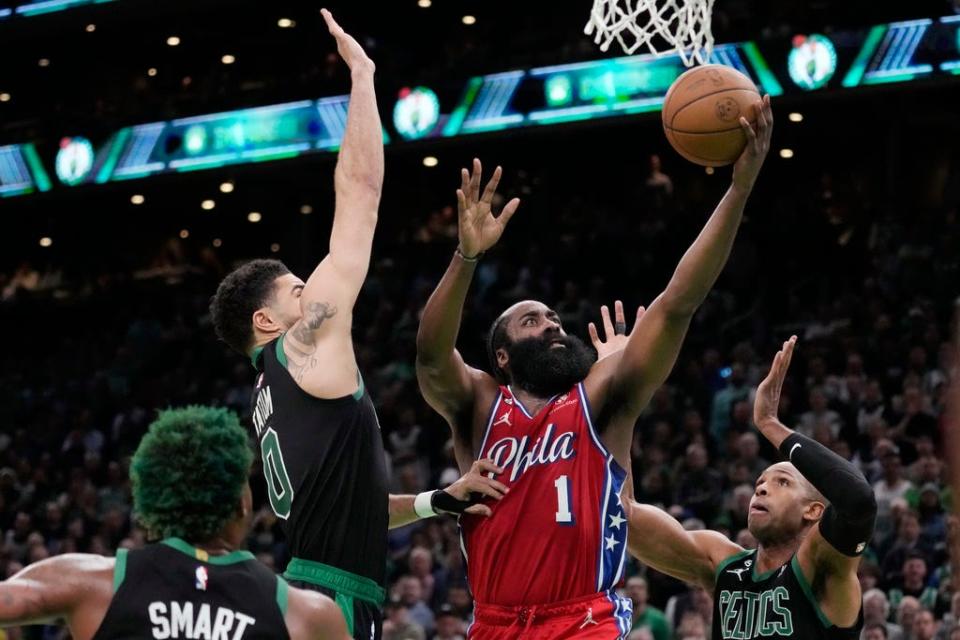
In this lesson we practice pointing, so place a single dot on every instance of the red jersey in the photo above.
(561, 531)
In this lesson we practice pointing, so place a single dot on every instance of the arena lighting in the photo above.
(469, 20)
(430, 161)
(184, 234)
(786, 153)
(152, 71)
(285, 23)
(4, 97)
(228, 59)
(226, 187)
(424, 4)
(207, 205)
(44, 62)
(137, 199)
(306, 209)
(795, 117)
(91, 28)
(173, 41)
(46, 241)
(254, 216)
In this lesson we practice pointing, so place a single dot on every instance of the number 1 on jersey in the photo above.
(564, 516)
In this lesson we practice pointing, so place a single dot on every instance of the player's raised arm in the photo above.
(830, 554)
(659, 541)
(650, 353)
(330, 292)
(54, 589)
(445, 379)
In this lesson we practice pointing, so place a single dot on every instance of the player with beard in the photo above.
(812, 518)
(545, 563)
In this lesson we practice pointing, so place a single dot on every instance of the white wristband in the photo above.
(422, 506)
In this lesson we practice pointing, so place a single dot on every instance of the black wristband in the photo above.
(443, 502)
(465, 258)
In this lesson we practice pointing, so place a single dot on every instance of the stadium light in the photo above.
(274, 248)
(228, 59)
(217, 242)
(152, 71)
(786, 153)
(137, 199)
(424, 4)
(469, 20)
(286, 23)
(254, 217)
(90, 28)
(207, 205)
(4, 97)
(306, 209)
(184, 234)
(44, 62)
(173, 41)
(226, 187)
(46, 241)
(795, 117)
(430, 161)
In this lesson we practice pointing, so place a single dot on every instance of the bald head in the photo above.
(810, 491)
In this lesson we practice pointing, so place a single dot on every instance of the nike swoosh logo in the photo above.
(790, 455)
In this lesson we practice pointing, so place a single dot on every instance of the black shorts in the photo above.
(364, 619)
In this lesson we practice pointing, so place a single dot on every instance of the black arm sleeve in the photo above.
(847, 524)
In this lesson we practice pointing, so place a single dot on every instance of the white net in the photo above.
(684, 25)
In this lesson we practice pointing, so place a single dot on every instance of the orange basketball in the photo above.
(701, 114)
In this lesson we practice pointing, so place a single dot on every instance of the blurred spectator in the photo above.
(646, 616)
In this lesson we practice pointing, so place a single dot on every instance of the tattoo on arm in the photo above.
(317, 313)
(302, 348)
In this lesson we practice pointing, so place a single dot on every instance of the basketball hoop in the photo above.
(683, 24)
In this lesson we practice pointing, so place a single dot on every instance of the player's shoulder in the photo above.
(312, 615)
(719, 548)
(71, 568)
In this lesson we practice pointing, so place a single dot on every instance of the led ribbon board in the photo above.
(21, 171)
(38, 7)
(888, 53)
(587, 90)
(234, 137)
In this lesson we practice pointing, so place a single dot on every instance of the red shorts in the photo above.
(599, 616)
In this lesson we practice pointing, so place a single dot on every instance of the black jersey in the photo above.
(324, 464)
(174, 590)
(776, 604)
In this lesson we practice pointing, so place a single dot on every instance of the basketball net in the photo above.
(683, 24)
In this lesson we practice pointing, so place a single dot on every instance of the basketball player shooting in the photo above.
(545, 563)
(812, 516)
(315, 422)
(190, 488)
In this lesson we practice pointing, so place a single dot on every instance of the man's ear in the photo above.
(265, 321)
(814, 511)
(503, 358)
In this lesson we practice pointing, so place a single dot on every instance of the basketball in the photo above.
(701, 114)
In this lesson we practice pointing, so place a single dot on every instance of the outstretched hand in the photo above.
(479, 229)
(348, 48)
(615, 334)
(747, 167)
(767, 402)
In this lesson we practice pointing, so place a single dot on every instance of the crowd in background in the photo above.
(869, 289)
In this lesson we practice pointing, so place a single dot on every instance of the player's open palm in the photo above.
(479, 228)
(747, 167)
(767, 402)
(615, 334)
(348, 48)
